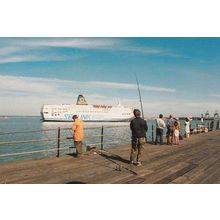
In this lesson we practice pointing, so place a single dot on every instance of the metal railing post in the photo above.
(58, 142)
(218, 125)
(102, 138)
(152, 134)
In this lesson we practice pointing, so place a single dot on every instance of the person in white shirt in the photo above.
(187, 128)
(160, 126)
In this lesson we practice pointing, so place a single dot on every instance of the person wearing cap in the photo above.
(139, 128)
(78, 134)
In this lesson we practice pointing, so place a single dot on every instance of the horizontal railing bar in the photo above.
(121, 126)
(50, 150)
(109, 142)
(48, 139)
(30, 141)
(98, 135)
(32, 152)
(84, 128)
(27, 131)
(53, 129)
(90, 137)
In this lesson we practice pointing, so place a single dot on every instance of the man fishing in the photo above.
(78, 134)
(139, 128)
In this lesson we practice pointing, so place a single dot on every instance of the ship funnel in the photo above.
(81, 100)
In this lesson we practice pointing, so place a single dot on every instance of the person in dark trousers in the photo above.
(170, 129)
(160, 126)
(139, 128)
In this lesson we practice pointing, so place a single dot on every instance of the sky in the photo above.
(178, 76)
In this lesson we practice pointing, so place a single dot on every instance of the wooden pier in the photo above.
(196, 160)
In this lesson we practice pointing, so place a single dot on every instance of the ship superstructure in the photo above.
(216, 114)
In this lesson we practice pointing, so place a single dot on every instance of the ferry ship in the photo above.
(86, 112)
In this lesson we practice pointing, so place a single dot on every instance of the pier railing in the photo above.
(62, 140)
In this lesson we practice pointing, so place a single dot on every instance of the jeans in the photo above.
(159, 135)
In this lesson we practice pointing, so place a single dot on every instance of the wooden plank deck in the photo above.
(195, 161)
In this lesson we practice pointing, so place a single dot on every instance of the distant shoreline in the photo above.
(38, 116)
(20, 116)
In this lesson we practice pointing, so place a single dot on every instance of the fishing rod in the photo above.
(139, 92)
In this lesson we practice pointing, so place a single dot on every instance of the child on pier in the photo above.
(176, 133)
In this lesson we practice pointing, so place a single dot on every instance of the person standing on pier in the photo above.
(78, 134)
(160, 126)
(176, 133)
(170, 129)
(187, 127)
(139, 128)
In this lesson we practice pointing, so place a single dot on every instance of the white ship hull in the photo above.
(89, 113)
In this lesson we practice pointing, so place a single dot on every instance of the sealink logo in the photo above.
(85, 117)
(82, 117)
(68, 117)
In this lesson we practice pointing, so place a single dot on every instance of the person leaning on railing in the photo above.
(139, 128)
(78, 134)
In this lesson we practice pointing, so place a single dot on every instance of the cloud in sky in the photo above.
(20, 58)
(35, 58)
(113, 85)
(27, 91)
(48, 86)
(25, 84)
(24, 50)
(9, 50)
(85, 43)
(25, 96)
(215, 95)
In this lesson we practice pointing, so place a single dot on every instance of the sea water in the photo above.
(115, 134)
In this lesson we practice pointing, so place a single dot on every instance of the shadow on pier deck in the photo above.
(195, 161)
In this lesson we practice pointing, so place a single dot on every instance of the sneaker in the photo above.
(138, 164)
